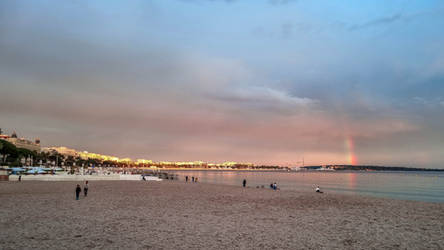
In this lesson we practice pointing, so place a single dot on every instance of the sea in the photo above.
(408, 185)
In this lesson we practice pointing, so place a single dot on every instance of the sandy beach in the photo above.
(176, 215)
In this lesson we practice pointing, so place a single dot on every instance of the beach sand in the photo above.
(177, 215)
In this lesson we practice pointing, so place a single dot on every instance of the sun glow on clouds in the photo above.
(171, 81)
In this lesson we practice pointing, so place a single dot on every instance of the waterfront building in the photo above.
(61, 150)
(22, 142)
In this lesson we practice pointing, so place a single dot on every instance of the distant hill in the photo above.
(366, 168)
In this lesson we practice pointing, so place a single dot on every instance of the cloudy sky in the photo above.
(261, 81)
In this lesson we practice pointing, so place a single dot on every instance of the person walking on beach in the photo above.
(78, 190)
(192, 178)
(20, 177)
(274, 186)
(85, 189)
(186, 178)
(244, 183)
(195, 179)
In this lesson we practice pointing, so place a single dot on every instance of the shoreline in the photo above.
(179, 177)
(65, 177)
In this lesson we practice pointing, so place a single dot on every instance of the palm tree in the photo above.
(8, 150)
(26, 153)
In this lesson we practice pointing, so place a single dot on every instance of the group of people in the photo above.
(274, 186)
(193, 179)
(79, 190)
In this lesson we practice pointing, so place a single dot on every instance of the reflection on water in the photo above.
(352, 181)
(421, 186)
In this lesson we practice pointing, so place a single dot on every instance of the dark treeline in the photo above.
(369, 167)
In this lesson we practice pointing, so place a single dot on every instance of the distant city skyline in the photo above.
(267, 81)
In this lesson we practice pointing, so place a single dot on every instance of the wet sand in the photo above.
(175, 215)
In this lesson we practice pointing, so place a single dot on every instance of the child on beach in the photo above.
(318, 190)
(78, 190)
(85, 189)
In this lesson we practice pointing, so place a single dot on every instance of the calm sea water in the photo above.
(420, 186)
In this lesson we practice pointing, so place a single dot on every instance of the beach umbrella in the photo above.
(31, 171)
(36, 171)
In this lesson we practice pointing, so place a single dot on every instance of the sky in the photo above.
(260, 81)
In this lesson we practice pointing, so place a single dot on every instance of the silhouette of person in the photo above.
(78, 190)
(244, 183)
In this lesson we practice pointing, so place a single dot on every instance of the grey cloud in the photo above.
(396, 17)
(85, 85)
(377, 22)
(265, 99)
(428, 102)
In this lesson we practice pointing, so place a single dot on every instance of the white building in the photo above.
(22, 142)
(62, 150)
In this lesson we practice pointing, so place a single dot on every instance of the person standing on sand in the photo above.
(78, 190)
(20, 177)
(192, 178)
(244, 183)
(186, 178)
(195, 179)
(85, 189)
(318, 190)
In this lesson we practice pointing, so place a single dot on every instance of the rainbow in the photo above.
(350, 145)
